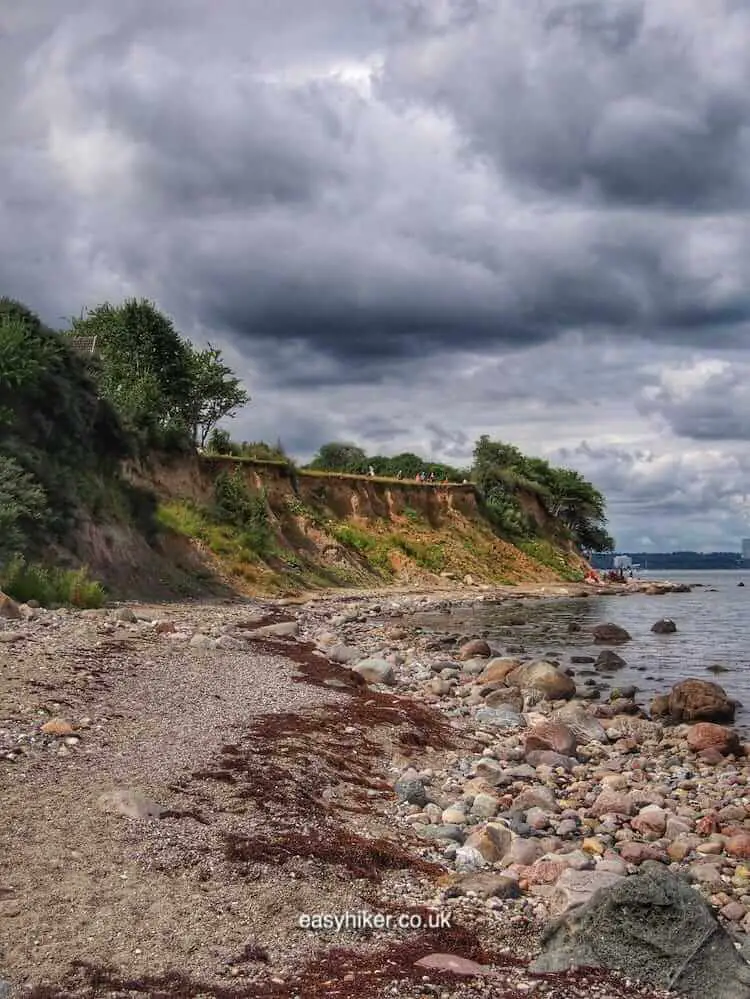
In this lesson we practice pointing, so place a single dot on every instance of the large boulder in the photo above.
(497, 669)
(610, 634)
(543, 677)
(609, 659)
(652, 927)
(700, 700)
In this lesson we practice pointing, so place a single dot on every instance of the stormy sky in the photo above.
(410, 222)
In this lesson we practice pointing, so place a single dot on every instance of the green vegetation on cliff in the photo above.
(75, 422)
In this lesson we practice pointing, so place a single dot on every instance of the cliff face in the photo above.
(241, 526)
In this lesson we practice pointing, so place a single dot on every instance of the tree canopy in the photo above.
(159, 382)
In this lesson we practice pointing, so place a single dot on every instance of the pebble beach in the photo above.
(344, 760)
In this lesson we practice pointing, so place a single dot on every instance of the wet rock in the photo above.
(651, 927)
(700, 700)
(665, 626)
(543, 677)
(375, 671)
(582, 660)
(707, 735)
(610, 634)
(608, 659)
(474, 648)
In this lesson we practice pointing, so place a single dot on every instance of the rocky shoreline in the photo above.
(395, 772)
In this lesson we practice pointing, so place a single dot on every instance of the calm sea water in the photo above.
(713, 627)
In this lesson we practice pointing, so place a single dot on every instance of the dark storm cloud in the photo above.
(409, 222)
(519, 170)
(633, 102)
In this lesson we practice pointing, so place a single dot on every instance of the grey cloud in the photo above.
(616, 102)
(698, 495)
(411, 222)
(704, 401)
(295, 210)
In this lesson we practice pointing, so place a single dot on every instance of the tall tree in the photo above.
(214, 393)
(146, 366)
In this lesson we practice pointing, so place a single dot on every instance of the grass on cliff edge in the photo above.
(50, 586)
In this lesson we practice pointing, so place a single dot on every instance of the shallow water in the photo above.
(712, 628)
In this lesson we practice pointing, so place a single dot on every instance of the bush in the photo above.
(75, 588)
(22, 502)
(237, 504)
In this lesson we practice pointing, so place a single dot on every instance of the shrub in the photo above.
(237, 504)
(49, 586)
(22, 501)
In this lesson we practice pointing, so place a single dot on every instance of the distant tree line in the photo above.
(677, 560)
(501, 473)
(346, 458)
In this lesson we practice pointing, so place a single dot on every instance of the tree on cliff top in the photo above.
(339, 456)
(158, 381)
(214, 392)
(500, 470)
